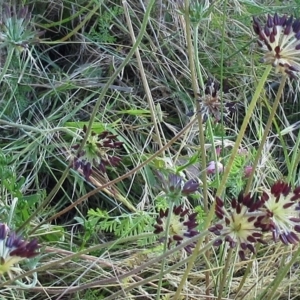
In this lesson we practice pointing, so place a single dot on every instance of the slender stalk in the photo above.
(266, 131)
(246, 274)
(197, 61)
(143, 75)
(284, 146)
(202, 142)
(191, 56)
(294, 161)
(240, 136)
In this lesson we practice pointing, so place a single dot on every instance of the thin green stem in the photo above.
(266, 132)
(197, 61)
(240, 136)
(214, 152)
(294, 161)
(284, 146)
(191, 56)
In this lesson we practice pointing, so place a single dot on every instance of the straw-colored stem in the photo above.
(144, 79)
(192, 49)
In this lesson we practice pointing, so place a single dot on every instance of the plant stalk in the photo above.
(266, 132)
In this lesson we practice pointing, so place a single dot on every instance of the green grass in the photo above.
(133, 69)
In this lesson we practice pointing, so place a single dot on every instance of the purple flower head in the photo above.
(174, 186)
(214, 104)
(213, 168)
(182, 226)
(279, 38)
(14, 249)
(238, 224)
(280, 212)
(98, 152)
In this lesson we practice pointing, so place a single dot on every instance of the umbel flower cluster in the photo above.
(243, 222)
(14, 249)
(182, 226)
(97, 152)
(280, 39)
(179, 223)
(247, 221)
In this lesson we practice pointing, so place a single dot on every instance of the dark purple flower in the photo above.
(279, 37)
(174, 185)
(213, 103)
(97, 153)
(281, 212)
(239, 224)
(182, 226)
(14, 249)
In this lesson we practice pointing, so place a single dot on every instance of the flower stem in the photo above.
(240, 136)
(192, 48)
(294, 161)
(266, 132)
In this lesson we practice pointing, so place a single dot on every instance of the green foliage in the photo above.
(123, 225)
(11, 189)
(101, 32)
(200, 216)
(17, 92)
